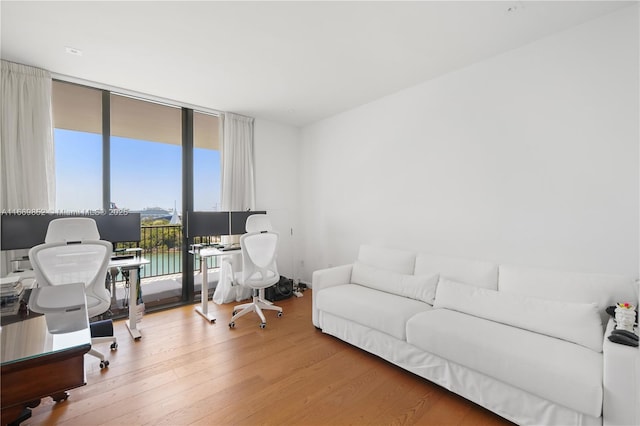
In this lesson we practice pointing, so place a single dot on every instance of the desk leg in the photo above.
(133, 318)
(24, 415)
(203, 309)
(113, 276)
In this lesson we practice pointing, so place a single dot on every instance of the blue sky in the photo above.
(143, 174)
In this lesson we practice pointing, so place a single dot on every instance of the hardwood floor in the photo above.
(185, 371)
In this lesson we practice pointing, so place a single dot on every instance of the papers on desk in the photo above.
(11, 290)
(10, 280)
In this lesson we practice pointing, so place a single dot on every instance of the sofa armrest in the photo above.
(324, 278)
(621, 375)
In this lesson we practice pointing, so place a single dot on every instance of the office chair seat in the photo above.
(98, 305)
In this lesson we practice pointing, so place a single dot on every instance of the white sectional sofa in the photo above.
(527, 344)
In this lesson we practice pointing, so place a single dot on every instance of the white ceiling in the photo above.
(291, 62)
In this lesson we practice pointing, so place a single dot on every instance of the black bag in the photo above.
(281, 290)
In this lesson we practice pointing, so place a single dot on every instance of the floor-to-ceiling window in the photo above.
(77, 119)
(146, 149)
(206, 183)
(206, 162)
(124, 152)
(146, 177)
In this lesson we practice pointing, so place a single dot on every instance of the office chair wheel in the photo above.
(232, 324)
(58, 397)
(263, 324)
(114, 346)
(279, 314)
(104, 364)
(234, 313)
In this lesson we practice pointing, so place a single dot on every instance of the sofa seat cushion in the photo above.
(376, 309)
(559, 371)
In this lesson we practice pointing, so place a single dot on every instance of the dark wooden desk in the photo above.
(37, 364)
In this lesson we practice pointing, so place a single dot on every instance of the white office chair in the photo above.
(259, 268)
(72, 229)
(73, 253)
(258, 223)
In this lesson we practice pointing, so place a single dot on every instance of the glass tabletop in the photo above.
(30, 338)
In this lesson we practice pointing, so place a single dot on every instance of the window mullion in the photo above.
(106, 150)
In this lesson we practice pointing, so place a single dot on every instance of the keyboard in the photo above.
(126, 257)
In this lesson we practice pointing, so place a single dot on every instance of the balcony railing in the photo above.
(162, 246)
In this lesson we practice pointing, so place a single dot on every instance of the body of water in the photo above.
(166, 263)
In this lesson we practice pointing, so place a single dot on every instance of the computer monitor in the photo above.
(239, 221)
(119, 228)
(204, 224)
(26, 231)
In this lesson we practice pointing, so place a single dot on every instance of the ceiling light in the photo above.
(73, 51)
(514, 8)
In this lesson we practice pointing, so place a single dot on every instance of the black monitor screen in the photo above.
(204, 224)
(239, 221)
(23, 232)
(119, 228)
(26, 231)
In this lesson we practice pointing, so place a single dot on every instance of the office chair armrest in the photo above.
(324, 278)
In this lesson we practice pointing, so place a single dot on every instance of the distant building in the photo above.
(175, 219)
(155, 213)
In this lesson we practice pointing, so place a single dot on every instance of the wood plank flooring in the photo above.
(185, 371)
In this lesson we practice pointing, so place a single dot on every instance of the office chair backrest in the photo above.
(259, 267)
(60, 263)
(258, 222)
(72, 253)
(72, 229)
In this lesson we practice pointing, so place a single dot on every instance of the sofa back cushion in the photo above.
(417, 287)
(603, 290)
(400, 261)
(574, 322)
(474, 272)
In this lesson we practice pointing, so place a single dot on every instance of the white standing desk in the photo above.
(205, 254)
(137, 252)
(132, 266)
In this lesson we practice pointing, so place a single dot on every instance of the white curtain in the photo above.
(27, 172)
(238, 185)
(238, 194)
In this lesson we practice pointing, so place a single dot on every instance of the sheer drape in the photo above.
(238, 185)
(238, 193)
(27, 172)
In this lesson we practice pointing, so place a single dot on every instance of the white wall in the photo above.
(530, 157)
(276, 166)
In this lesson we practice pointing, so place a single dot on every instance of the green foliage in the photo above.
(158, 236)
